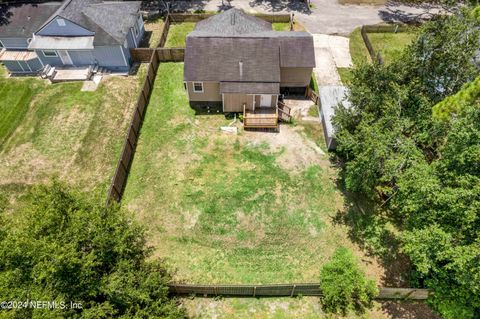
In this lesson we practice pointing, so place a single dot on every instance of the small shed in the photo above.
(330, 97)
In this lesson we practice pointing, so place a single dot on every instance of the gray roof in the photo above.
(232, 22)
(22, 20)
(218, 59)
(330, 98)
(110, 21)
(250, 87)
(216, 47)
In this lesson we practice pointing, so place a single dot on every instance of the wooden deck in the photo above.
(261, 118)
(71, 74)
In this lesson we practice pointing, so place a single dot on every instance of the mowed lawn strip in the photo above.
(177, 34)
(15, 96)
(218, 206)
(64, 132)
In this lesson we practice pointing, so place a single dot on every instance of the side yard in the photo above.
(389, 44)
(221, 208)
(57, 130)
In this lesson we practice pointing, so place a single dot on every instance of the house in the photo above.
(74, 33)
(235, 63)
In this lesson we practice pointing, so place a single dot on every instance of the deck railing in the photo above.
(252, 120)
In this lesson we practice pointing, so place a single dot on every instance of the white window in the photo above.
(61, 22)
(198, 87)
(49, 53)
(1, 45)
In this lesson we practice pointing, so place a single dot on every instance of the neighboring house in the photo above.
(72, 34)
(235, 62)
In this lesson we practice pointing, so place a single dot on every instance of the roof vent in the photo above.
(232, 18)
(240, 67)
(28, 18)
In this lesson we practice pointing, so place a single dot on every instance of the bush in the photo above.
(344, 286)
(59, 246)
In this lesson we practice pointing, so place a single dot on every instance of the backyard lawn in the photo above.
(391, 45)
(177, 34)
(49, 130)
(153, 32)
(224, 208)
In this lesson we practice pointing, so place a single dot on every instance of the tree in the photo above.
(344, 285)
(411, 141)
(59, 246)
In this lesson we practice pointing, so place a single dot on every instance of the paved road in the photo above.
(327, 16)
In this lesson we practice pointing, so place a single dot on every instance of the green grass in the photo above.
(178, 33)
(359, 54)
(281, 26)
(15, 98)
(153, 32)
(220, 207)
(57, 130)
(391, 45)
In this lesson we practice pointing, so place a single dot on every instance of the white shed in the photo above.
(330, 97)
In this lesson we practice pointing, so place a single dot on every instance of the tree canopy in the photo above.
(59, 246)
(411, 142)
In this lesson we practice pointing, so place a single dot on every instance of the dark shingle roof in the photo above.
(250, 87)
(232, 22)
(110, 21)
(217, 59)
(22, 20)
(215, 48)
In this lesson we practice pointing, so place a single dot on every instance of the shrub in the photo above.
(59, 246)
(344, 285)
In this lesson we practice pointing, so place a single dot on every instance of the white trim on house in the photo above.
(124, 58)
(50, 56)
(65, 57)
(134, 38)
(223, 102)
(194, 90)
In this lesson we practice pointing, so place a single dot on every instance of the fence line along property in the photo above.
(285, 290)
(121, 172)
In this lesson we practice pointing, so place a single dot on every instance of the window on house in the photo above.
(185, 85)
(49, 53)
(198, 87)
(61, 22)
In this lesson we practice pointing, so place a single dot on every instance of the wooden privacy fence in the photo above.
(285, 290)
(163, 54)
(368, 44)
(195, 17)
(119, 179)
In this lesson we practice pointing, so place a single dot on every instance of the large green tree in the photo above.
(411, 142)
(58, 245)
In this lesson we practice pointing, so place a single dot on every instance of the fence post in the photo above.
(293, 290)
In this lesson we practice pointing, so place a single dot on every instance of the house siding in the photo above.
(211, 92)
(111, 57)
(48, 60)
(295, 77)
(31, 66)
(15, 43)
(81, 57)
(13, 67)
(233, 102)
(69, 29)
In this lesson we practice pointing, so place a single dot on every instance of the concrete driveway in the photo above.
(330, 52)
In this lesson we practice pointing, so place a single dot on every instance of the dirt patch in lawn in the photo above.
(296, 152)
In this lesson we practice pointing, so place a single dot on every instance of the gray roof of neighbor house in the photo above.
(22, 20)
(232, 22)
(218, 44)
(110, 21)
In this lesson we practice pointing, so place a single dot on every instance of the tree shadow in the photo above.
(408, 310)
(281, 5)
(392, 13)
(373, 229)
